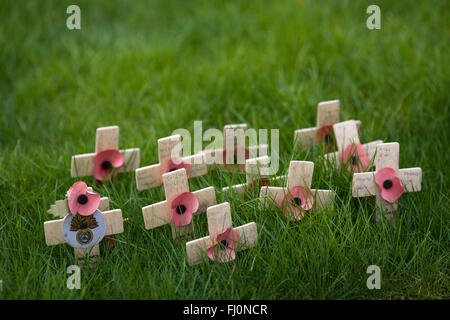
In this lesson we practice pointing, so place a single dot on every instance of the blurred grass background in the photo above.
(154, 66)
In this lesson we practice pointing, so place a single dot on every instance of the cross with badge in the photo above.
(234, 153)
(223, 241)
(180, 204)
(297, 197)
(327, 116)
(388, 182)
(85, 221)
(107, 159)
(170, 159)
(351, 153)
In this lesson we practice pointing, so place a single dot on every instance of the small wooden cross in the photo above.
(107, 138)
(300, 175)
(219, 223)
(161, 213)
(387, 156)
(327, 116)
(54, 235)
(234, 140)
(168, 148)
(254, 175)
(346, 134)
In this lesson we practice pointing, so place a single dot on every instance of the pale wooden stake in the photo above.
(168, 147)
(387, 155)
(176, 183)
(327, 115)
(234, 136)
(219, 219)
(346, 133)
(53, 228)
(107, 138)
(300, 174)
(255, 170)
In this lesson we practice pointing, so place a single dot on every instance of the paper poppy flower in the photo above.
(235, 151)
(389, 185)
(296, 202)
(325, 135)
(175, 164)
(356, 158)
(183, 207)
(104, 161)
(224, 249)
(81, 200)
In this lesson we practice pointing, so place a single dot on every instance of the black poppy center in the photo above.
(82, 199)
(387, 184)
(297, 202)
(354, 160)
(181, 209)
(224, 243)
(328, 138)
(106, 165)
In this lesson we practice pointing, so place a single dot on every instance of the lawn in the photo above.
(155, 66)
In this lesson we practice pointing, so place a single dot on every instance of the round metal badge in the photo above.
(84, 231)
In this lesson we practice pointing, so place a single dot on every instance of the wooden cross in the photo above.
(53, 228)
(346, 134)
(175, 184)
(327, 116)
(300, 175)
(234, 138)
(107, 138)
(219, 220)
(168, 148)
(387, 156)
(254, 176)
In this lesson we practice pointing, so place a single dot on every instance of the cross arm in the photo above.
(196, 249)
(270, 194)
(219, 218)
(148, 177)
(156, 215)
(305, 137)
(206, 198)
(363, 184)
(323, 198)
(411, 179)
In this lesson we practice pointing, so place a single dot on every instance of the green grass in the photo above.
(153, 67)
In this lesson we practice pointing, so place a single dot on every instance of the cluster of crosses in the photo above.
(84, 218)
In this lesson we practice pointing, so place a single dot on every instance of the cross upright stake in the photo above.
(350, 151)
(388, 181)
(257, 174)
(234, 152)
(223, 240)
(327, 116)
(54, 235)
(170, 158)
(297, 197)
(107, 139)
(175, 186)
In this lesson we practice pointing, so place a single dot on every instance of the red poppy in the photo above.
(175, 164)
(325, 135)
(82, 201)
(389, 185)
(356, 158)
(224, 249)
(104, 161)
(296, 202)
(183, 207)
